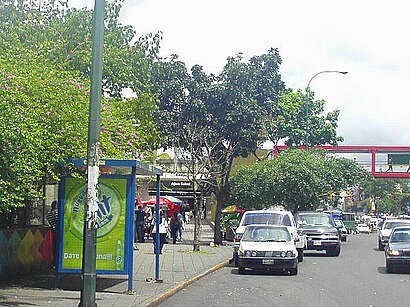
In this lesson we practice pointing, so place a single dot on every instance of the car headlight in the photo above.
(393, 252)
(249, 253)
(283, 254)
(289, 254)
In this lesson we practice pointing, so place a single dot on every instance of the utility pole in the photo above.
(307, 102)
(89, 277)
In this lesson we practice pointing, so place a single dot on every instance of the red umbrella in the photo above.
(163, 201)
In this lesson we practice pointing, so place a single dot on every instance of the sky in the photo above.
(367, 38)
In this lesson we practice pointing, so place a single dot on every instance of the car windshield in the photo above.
(268, 218)
(401, 235)
(266, 234)
(314, 219)
(391, 225)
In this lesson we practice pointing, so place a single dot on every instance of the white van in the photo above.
(270, 217)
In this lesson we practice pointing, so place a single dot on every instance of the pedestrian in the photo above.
(180, 226)
(162, 232)
(148, 224)
(182, 211)
(204, 211)
(390, 163)
(52, 218)
(174, 224)
(187, 213)
(139, 226)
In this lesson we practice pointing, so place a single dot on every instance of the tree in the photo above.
(44, 96)
(64, 37)
(390, 195)
(295, 179)
(228, 111)
(42, 123)
(291, 119)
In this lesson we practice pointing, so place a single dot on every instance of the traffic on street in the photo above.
(357, 277)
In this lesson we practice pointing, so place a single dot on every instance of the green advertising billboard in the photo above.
(111, 222)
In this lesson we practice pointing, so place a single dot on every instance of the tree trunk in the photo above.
(218, 211)
(197, 225)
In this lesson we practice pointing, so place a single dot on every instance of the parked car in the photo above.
(386, 229)
(397, 251)
(362, 228)
(268, 247)
(342, 230)
(270, 217)
(320, 230)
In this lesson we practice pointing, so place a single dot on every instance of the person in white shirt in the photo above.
(162, 232)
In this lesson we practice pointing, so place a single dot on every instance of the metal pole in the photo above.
(157, 234)
(307, 102)
(89, 277)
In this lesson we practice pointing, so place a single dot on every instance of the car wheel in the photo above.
(300, 254)
(344, 239)
(381, 247)
(293, 271)
(389, 268)
(241, 270)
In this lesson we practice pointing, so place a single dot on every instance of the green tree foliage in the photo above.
(43, 121)
(391, 196)
(296, 179)
(45, 58)
(64, 37)
(217, 118)
(291, 120)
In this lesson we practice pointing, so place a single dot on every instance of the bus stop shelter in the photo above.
(115, 217)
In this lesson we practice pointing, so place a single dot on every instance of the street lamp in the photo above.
(307, 102)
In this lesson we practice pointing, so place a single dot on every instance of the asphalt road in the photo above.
(356, 278)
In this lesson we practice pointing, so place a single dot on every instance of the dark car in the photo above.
(320, 230)
(397, 251)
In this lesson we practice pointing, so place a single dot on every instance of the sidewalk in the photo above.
(179, 267)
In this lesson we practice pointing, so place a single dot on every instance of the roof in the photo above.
(283, 212)
(397, 221)
(266, 226)
(142, 168)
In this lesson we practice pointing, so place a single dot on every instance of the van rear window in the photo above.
(268, 218)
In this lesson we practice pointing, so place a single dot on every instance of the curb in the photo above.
(163, 296)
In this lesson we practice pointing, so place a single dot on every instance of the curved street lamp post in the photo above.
(307, 102)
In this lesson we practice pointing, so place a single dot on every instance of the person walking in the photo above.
(390, 163)
(162, 232)
(187, 213)
(174, 224)
(180, 226)
(139, 225)
(52, 218)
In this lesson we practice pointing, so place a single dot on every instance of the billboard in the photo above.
(111, 224)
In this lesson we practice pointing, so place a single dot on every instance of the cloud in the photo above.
(369, 39)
